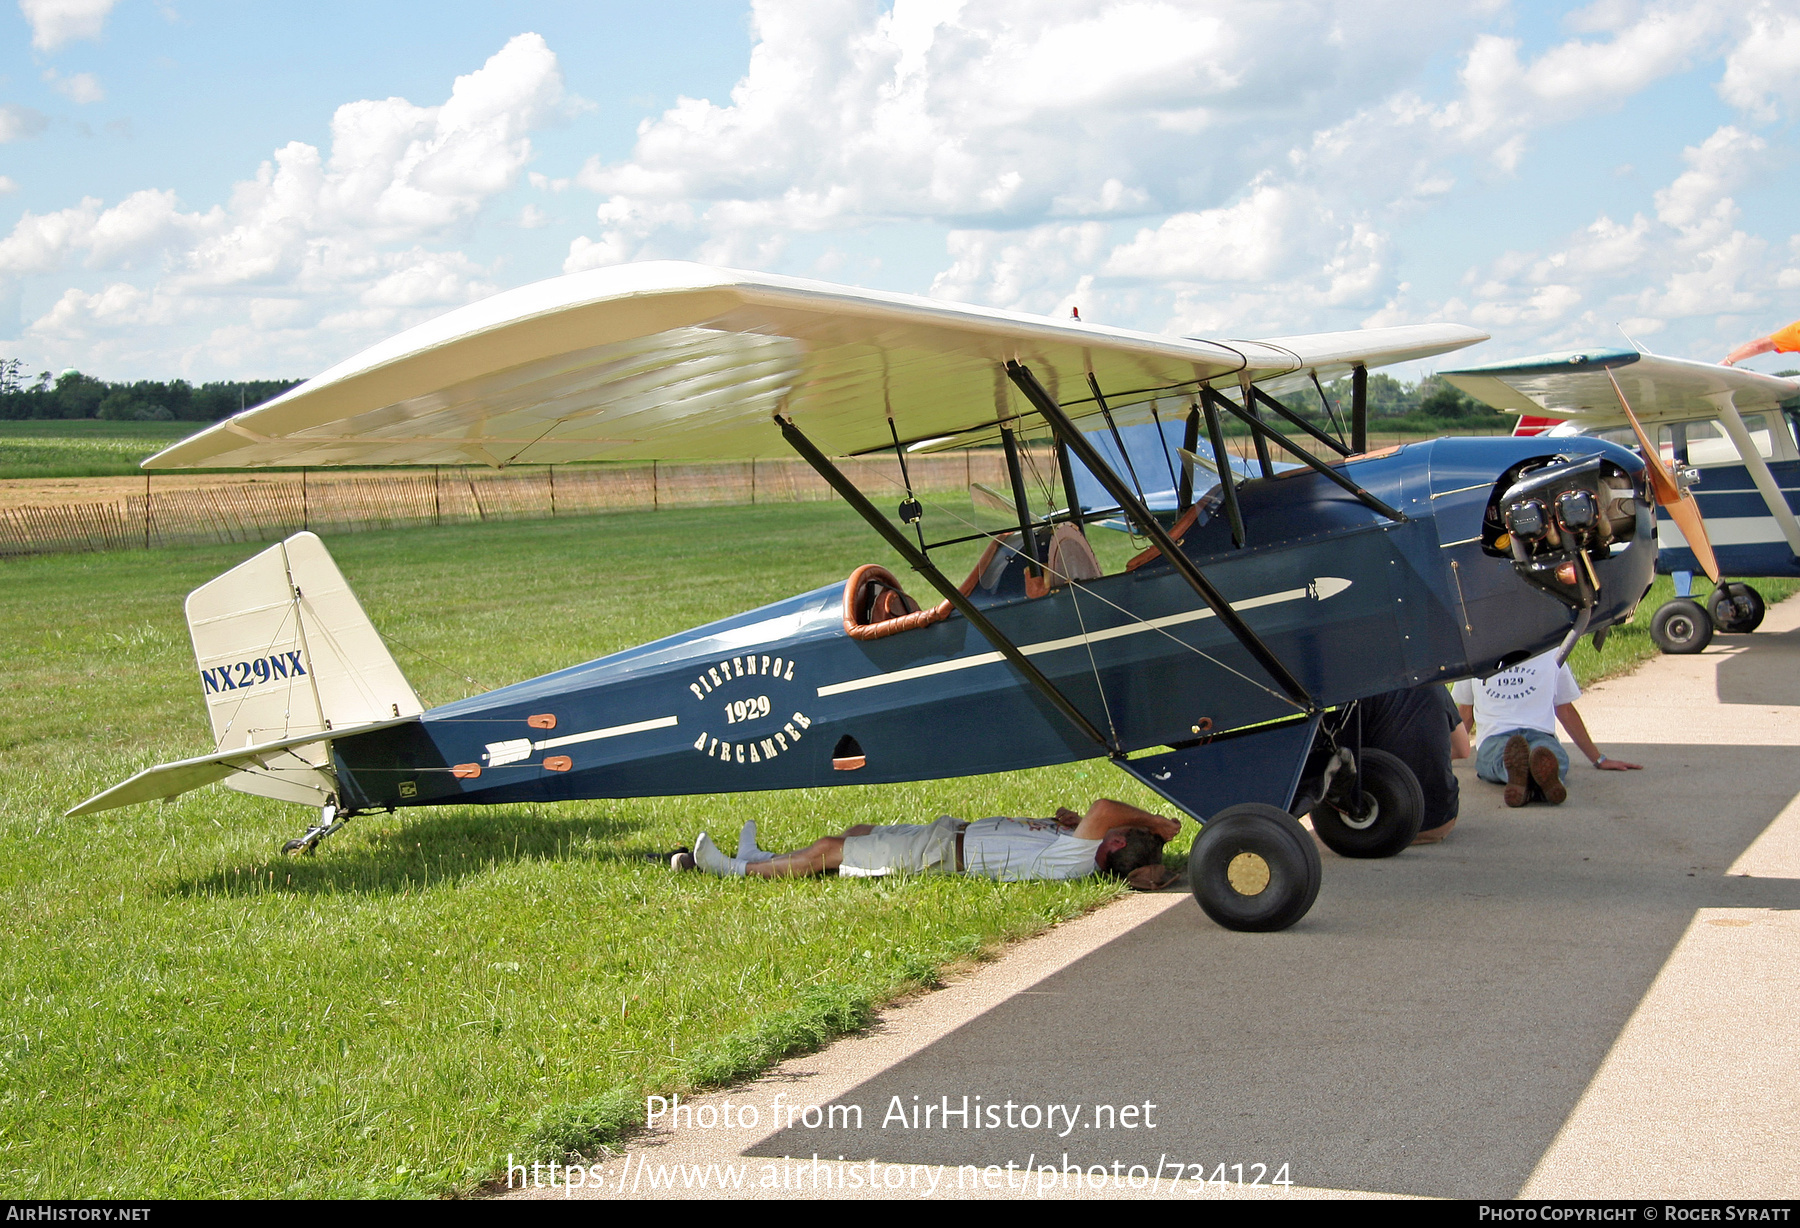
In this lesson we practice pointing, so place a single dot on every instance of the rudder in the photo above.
(284, 649)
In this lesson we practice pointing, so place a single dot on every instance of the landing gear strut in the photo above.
(331, 821)
(1363, 802)
(1385, 818)
(1735, 607)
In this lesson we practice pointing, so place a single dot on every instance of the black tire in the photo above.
(1680, 627)
(1393, 808)
(1735, 608)
(1254, 868)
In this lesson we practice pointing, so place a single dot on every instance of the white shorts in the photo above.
(902, 849)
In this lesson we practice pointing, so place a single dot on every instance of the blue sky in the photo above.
(213, 190)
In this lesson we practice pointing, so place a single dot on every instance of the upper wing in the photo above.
(1575, 386)
(678, 361)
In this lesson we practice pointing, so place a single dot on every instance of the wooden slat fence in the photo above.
(266, 509)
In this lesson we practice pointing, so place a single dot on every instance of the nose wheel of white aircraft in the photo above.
(1736, 608)
(1681, 628)
(1254, 868)
(1380, 823)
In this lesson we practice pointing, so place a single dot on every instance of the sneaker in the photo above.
(747, 850)
(1548, 775)
(1434, 835)
(682, 859)
(709, 857)
(1517, 760)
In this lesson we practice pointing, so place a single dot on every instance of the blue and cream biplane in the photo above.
(1729, 437)
(1268, 599)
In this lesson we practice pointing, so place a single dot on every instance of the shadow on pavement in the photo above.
(1425, 1030)
(1767, 674)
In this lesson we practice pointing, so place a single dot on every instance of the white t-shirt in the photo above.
(1523, 697)
(1012, 850)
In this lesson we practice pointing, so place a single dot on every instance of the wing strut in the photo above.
(1247, 389)
(1069, 433)
(1259, 427)
(925, 567)
(1215, 431)
(1027, 538)
(1190, 439)
(1765, 482)
(1300, 422)
(1068, 480)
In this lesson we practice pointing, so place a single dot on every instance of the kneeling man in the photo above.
(1112, 836)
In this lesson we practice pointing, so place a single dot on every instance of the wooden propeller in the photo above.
(1683, 510)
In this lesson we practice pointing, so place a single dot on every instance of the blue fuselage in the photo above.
(1352, 602)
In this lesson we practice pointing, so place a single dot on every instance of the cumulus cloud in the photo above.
(356, 240)
(1762, 74)
(83, 87)
(55, 22)
(17, 122)
(1229, 166)
(991, 114)
(1239, 167)
(1506, 95)
(1688, 259)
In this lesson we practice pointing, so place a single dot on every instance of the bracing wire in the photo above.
(1331, 411)
(1081, 586)
(450, 669)
(1105, 704)
(292, 611)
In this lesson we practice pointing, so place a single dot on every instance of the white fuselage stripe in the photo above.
(1723, 531)
(1073, 641)
(613, 731)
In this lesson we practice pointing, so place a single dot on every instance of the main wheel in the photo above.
(1254, 868)
(1736, 608)
(1681, 627)
(1393, 809)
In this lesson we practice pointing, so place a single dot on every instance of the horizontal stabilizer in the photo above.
(170, 780)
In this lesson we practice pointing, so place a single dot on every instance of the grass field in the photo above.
(83, 448)
(186, 1013)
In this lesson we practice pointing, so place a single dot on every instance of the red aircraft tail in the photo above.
(1529, 425)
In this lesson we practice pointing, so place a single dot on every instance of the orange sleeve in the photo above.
(1787, 340)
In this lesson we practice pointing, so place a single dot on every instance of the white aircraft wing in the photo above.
(672, 361)
(1575, 387)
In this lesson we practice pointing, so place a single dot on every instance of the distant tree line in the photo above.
(74, 395)
(1432, 402)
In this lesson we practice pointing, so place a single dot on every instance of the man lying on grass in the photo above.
(1112, 836)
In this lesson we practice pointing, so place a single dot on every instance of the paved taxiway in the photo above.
(1600, 999)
